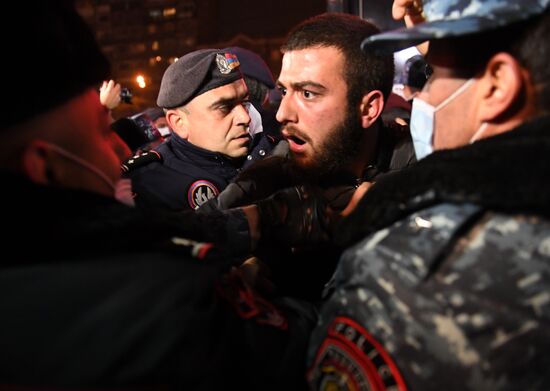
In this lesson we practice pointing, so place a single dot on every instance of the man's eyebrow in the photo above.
(228, 101)
(302, 85)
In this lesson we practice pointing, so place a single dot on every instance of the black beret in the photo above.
(252, 65)
(196, 73)
(51, 58)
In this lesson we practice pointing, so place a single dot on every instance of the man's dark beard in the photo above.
(333, 158)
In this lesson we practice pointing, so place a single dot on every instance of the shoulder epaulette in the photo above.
(140, 160)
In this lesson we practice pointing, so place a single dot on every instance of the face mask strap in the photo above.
(477, 135)
(459, 91)
(63, 152)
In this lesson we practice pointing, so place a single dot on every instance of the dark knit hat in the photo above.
(136, 131)
(252, 65)
(194, 74)
(154, 113)
(51, 58)
(417, 71)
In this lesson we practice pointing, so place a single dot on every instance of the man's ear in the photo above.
(36, 162)
(177, 121)
(371, 107)
(501, 86)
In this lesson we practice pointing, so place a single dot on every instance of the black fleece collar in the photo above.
(509, 172)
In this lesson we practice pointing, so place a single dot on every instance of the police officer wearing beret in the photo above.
(445, 284)
(206, 104)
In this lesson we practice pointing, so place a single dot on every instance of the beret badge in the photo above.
(226, 63)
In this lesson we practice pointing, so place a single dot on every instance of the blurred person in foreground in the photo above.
(445, 283)
(98, 295)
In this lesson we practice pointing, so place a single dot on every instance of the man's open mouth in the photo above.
(296, 140)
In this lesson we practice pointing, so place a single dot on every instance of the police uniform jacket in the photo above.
(446, 283)
(180, 175)
(95, 295)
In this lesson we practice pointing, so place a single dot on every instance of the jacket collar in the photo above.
(508, 173)
(183, 149)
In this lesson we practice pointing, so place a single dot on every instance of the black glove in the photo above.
(294, 216)
(256, 182)
(338, 197)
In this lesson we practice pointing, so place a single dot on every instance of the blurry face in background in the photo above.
(162, 125)
(218, 120)
(322, 130)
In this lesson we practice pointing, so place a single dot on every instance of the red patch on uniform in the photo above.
(351, 359)
(201, 191)
(248, 304)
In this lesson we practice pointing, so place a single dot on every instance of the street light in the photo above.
(141, 81)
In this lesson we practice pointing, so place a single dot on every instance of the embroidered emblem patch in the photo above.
(351, 359)
(227, 62)
(201, 191)
(247, 304)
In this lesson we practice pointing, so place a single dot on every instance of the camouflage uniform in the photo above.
(455, 294)
(452, 18)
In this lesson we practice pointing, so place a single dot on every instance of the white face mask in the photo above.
(164, 130)
(122, 189)
(423, 121)
(255, 125)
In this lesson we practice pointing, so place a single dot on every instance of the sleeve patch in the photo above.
(351, 359)
(248, 304)
(201, 191)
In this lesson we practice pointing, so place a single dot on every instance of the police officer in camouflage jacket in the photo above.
(446, 280)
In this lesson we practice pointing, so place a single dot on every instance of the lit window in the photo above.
(155, 45)
(169, 12)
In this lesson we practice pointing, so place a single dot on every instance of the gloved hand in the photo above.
(294, 216)
(255, 183)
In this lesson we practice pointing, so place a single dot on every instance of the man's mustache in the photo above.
(294, 132)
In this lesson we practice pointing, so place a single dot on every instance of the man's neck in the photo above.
(368, 151)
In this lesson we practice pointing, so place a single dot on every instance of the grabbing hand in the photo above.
(255, 183)
(294, 216)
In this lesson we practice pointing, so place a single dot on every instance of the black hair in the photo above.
(257, 91)
(418, 71)
(364, 71)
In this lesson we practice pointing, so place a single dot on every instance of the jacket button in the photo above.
(249, 157)
(261, 152)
